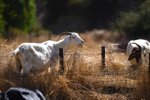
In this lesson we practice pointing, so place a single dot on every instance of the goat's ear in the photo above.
(134, 54)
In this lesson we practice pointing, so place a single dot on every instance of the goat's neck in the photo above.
(62, 43)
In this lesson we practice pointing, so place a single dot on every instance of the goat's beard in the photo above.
(81, 45)
(135, 55)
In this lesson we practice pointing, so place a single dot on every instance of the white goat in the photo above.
(36, 56)
(138, 49)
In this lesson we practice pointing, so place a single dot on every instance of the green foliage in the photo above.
(145, 14)
(2, 22)
(127, 23)
(20, 14)
(135, 24)
(31, 20)
(75, 15)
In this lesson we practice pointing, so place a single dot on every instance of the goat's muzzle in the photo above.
(82, 44)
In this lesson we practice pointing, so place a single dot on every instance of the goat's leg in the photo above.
(25, 70)
(53, 65)
(18, 66)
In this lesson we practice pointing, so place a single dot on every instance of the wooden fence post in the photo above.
(61, 56)
(103, 56)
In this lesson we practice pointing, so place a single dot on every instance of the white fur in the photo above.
(36, 56)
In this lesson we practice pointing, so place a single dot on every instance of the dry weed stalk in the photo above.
(84, 77)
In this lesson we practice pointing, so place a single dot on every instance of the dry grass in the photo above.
(84, 77)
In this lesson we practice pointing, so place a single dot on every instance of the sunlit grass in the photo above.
(84, 77)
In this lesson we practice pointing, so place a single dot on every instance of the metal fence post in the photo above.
(61, 56)
(103, 56)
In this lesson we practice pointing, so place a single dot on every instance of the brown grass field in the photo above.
(84, 77)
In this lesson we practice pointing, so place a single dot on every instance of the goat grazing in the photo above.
(36, 56)
(138, 50)
(21, 94)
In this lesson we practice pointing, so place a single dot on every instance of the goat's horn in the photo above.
(64, 33)
(140, 48)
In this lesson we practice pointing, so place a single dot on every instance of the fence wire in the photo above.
(109, 80)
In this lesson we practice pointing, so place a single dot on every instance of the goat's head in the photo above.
(73, 38)
(136, 53)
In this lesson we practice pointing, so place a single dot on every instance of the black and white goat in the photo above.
(21, 94)
(139, 50)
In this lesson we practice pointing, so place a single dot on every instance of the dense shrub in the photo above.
(17, 14)
(2, 22)
(135, 24)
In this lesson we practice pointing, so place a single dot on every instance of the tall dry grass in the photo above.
(84, 77)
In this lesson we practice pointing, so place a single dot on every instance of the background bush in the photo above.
(135, 24)
(129, 17)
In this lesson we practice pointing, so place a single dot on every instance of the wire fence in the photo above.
(131, 72)
(102, 57)
(110, 80)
